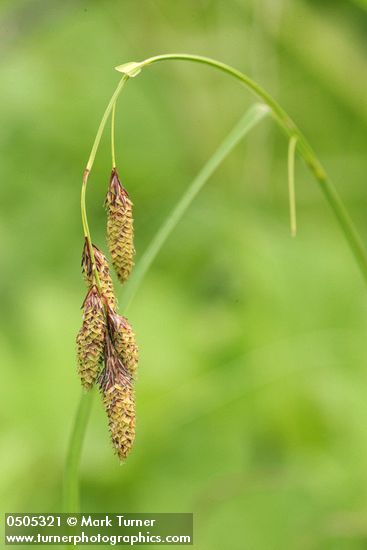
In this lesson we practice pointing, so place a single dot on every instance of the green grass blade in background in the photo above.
(248, 121)
(71, 493)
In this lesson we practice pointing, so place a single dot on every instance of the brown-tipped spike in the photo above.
(118, 399)
(90, 339)
(120, 228)
(123, 338)
(119, 404)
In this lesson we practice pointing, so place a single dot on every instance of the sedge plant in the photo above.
(107, 350)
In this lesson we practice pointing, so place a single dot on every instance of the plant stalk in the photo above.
(88, 168)
(250, 119)
(303, 147)
(305, 151)
(71, 491)
(113, 153)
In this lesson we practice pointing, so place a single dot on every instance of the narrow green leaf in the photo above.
(252, 117)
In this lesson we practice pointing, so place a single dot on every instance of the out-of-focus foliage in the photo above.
(252, 385)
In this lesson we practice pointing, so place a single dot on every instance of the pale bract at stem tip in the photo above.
(131, 69)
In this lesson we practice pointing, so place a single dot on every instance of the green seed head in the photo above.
(124, 341)
(119, 401)
(90, 339)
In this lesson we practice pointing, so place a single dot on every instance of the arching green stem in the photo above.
(289, 127)
(113, 153)
(102, 124)
(303, 148)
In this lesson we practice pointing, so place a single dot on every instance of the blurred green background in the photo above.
(251, 395)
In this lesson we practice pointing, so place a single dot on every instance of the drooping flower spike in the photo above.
(124, 341)
(117, 390)
(91, 339)
(120, 230)
(107, 350)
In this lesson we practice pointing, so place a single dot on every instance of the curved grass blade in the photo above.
(252, 117)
